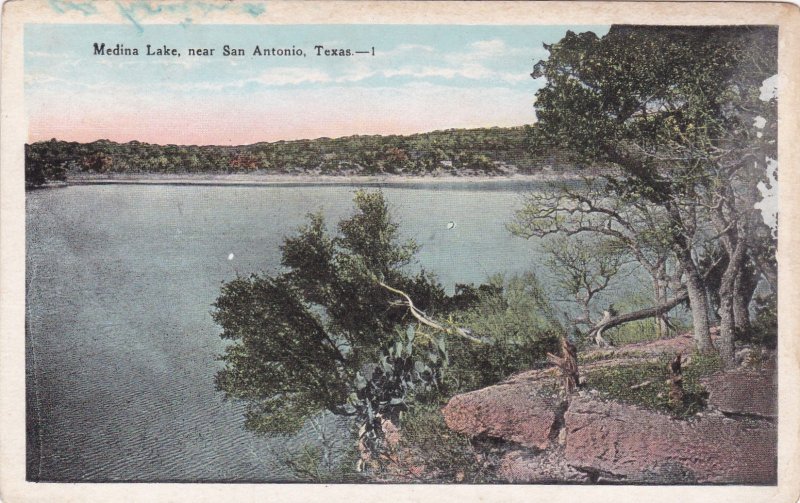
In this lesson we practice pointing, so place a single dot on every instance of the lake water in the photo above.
(121, 346)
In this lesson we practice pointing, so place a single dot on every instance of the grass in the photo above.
(617, 382)
(643, 331)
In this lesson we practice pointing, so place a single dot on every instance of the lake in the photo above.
(121, 347)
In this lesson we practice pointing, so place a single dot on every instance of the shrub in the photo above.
(516, 319)
(443, 455)
(764, 330)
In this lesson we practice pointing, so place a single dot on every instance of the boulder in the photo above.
(626, 443)
(540, 438)
(548, 467)
(743, 392)
(521, 413)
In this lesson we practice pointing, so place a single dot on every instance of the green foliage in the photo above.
(764, 330)
(314, 464)
(387, 390)
(673, 113)
(484, 151)
(702, 364)
(448, 456)
(646, 384)
(659, 88)
(516, 318)
(300, 338)
(40, 168)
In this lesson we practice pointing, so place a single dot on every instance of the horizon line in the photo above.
(355, 135)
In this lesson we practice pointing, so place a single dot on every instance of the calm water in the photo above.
(121, 347)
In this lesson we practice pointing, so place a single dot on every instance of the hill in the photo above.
(455, 152)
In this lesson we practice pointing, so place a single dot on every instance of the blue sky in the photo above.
(422, 77)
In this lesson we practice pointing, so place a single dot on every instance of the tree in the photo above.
(584, 270)
(301, 338)
(40, 169)
(584, 211)
(515, 317)
(671, 114)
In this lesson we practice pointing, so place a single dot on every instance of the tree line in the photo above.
(487, 151)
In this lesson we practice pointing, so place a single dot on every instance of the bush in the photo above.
(385, 390)
(445, 455)
(764, 330)
(516, 318)
(329, 456)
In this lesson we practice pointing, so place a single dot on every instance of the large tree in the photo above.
(675, 116)
(300, 338)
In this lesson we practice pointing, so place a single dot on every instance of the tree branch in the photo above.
(650, 312)
(425, 320)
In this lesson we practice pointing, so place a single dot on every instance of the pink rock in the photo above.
(517, 413)
(540, 468)
(635, 444)
(743, 392)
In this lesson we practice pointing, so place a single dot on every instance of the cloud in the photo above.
(406, 48)
(45, 54)
(488, 48)
(290, 75)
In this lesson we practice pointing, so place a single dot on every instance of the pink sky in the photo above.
(236, 119)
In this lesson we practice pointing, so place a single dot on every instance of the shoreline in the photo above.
(239, 179)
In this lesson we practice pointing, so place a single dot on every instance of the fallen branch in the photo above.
(650, 312)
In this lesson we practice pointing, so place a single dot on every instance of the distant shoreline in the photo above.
(239, 179)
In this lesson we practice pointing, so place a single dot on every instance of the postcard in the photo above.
(477, 251)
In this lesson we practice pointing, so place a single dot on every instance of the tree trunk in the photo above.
(695, 285)
(727, 328)
(698, 301)
(676, 394)
(660, 297)
(568, 363)
(727, 294)
(743, 289)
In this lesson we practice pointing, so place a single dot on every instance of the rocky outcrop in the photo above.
(635, 445)
(743, 392)
(520, 413)
(588, 439)
(549, 467)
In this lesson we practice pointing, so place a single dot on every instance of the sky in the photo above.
(421, 78)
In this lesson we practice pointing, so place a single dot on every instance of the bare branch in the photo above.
(425, 320)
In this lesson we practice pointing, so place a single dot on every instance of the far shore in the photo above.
(303, 179)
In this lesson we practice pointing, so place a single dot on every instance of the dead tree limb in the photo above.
(650, 312)
(568, 363)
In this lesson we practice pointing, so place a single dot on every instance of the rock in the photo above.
(538, 438)
(547, 467)
(743, 392)
(517, 413)
(609, 438)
